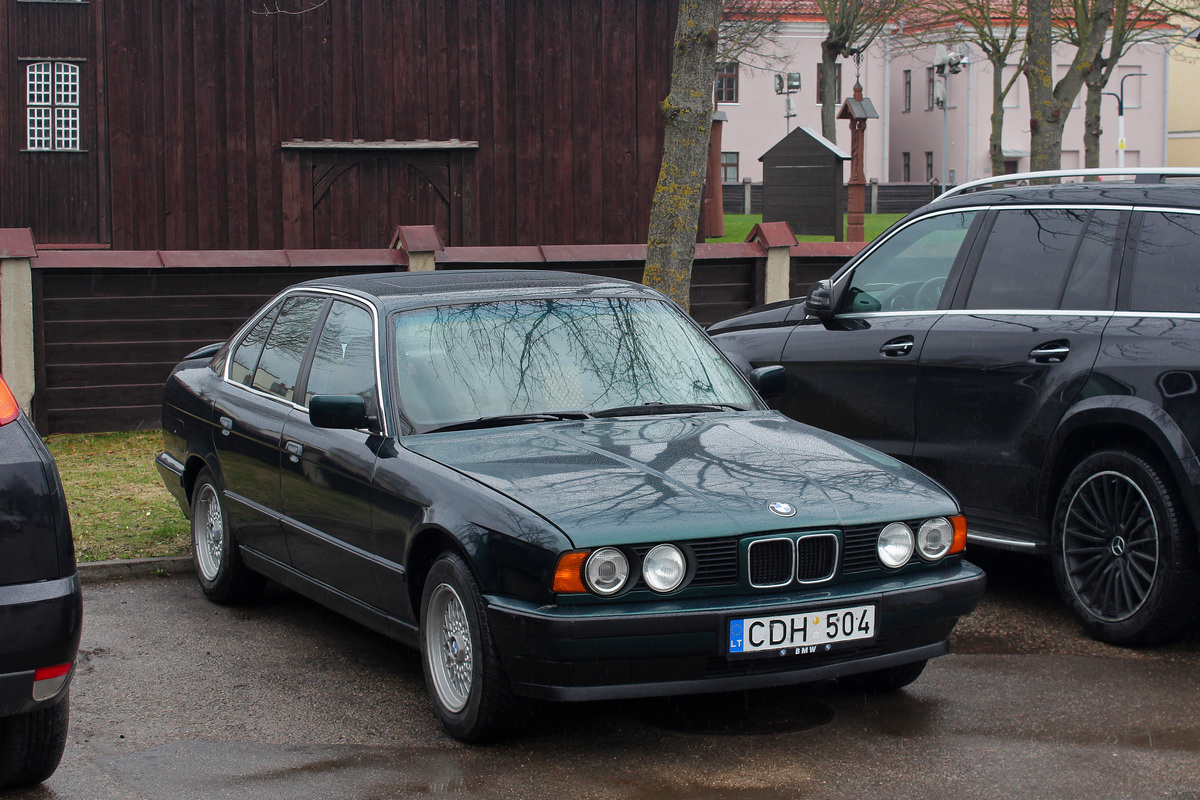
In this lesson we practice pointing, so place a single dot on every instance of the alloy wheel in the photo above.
(208, 531)
(449, 652)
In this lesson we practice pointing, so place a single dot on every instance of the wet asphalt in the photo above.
(178, 698)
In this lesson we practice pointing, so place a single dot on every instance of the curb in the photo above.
(97, 571)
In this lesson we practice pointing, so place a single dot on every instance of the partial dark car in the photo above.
(1036, 350)
(555, 487)
(41, 605)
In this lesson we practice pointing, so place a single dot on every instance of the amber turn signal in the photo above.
(960, 535)
(8, 404)
(568, 574)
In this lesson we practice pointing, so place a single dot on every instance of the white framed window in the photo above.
(52, 102)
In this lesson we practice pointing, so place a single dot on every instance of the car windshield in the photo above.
(474, 361)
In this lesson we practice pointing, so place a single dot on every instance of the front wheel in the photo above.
(223, 577)
(470, 692)
(1124, 556)
(31, 745)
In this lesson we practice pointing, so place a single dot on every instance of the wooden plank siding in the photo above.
(186, 107)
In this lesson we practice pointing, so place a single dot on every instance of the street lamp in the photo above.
(788, 86)
(1121, 118)
(945, 64)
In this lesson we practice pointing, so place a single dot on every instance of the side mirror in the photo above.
(341, 411)
(819, 302)
(769, 381)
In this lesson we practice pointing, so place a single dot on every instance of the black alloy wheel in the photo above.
(1124, 556)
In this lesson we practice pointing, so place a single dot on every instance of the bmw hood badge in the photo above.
(783, 509)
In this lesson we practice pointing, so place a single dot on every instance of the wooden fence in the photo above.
(108, 326)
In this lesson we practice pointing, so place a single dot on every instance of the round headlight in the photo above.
(895, 545)
(934, 538)
(664, 568)
(606, 571)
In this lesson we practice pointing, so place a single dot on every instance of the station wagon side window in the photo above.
(1166, 269)
(245, 357)
(286, 345)
(344, 361)
(908, 271)
(1046, 258)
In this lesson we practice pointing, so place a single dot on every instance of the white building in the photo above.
(916, 140)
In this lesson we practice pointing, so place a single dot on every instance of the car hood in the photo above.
(633, 479)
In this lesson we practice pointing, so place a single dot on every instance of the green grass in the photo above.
(738, 227)
(119, 507)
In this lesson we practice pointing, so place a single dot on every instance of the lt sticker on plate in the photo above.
(797, 634)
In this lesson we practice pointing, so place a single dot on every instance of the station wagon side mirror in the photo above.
(769, 381)
(819, 302)
(341, 411)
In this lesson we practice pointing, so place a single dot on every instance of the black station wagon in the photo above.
(1036, 349)
(557, 488)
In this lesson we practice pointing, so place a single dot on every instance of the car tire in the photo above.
(32, 744)
(881, 681)
(470, 691)
(1123, 550)
(222, 574)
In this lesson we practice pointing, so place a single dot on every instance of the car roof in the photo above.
(1174, 195)
(399, 290)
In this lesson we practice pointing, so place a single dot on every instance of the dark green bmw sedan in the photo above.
(556, 487)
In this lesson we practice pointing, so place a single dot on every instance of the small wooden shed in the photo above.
(802, 183)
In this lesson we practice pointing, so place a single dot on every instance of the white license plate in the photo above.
(798, 634)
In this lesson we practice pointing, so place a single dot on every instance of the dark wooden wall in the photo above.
(187, 104)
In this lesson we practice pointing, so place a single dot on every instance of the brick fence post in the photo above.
(777, 238)
(421, 244)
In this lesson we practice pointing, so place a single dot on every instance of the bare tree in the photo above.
(853, 25)
(1050, 102)
(1132, 24)
(995, 27)
(687, 122)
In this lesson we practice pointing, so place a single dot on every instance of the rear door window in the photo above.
(1028, 259)
(1166, 269)
(279, 366)
(245, 357)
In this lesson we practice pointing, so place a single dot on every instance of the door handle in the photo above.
(226, 425)
(295, 450)
(897, 347)
(1050, 353)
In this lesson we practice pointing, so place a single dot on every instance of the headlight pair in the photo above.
(607, 571)
(934, 539)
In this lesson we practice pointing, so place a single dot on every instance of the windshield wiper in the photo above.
(665, 408)
(502, 420)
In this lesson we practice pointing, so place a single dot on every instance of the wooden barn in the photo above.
(209, 124)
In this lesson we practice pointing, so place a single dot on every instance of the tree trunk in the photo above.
(829, 108)
(687, 118)
(995, 140)
(1091, 121)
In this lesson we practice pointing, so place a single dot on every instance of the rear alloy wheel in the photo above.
(223, 576)
(470, 692)
(1124, 557)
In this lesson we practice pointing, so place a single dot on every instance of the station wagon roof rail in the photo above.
(1139, 174)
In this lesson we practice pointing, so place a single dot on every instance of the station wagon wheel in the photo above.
(222, 575)
(471, 694)
(32, 744)
(1124, 558)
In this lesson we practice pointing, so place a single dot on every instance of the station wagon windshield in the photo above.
(556, 357)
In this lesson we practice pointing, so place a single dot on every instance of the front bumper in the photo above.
(41, 623)
(596, 652)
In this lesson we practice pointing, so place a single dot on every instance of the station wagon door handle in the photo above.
(226, 425)
(1050, 353)
(897, 347)
(295, 450)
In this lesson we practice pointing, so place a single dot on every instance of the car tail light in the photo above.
(48, 681)
(9, 410)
